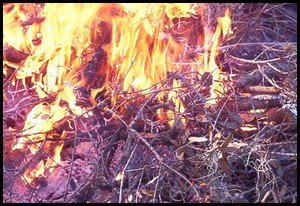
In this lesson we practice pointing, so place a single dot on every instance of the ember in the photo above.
(109, 81)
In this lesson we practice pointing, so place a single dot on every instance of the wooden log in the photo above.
(246, 104)
(255, 77)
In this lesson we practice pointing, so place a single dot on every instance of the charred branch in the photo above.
(13, 55)
(94, 73)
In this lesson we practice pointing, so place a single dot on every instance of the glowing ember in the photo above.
(141, 52)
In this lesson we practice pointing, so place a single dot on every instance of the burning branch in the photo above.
(98, 94)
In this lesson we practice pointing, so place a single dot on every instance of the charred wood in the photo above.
(103, 34)
(94, 73)
(13, 55)
(110, 149)
(83, 97)
(31, 21)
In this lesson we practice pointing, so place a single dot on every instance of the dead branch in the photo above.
(255, 77)
(260, 89)
(246, 104)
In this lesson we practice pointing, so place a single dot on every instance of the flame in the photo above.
(30, 175)
(141, 52)
(173, 97)
(64, 33)
(60, 32)
(138, 52)
(212, 42)
(39, 122)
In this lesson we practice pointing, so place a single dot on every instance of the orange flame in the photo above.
(141, 52)
(64, 34)
(210, 65)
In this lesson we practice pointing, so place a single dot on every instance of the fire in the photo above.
(141, 52)
(212, 43)
(64, 33)
(138, 51)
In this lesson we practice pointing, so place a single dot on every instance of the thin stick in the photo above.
(123, 174)
(72, 161)
(258, 61)
(156, 185)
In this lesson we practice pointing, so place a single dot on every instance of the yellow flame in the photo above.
(141, 52)
(39, 121)
(137, 51)
(224, 28)
(173, 96)
(29, 175)
(64, 33)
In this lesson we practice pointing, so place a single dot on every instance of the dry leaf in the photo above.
(119, 176)
(11, 129)
(202, 184)
(294, 199)
(236, 117)
(216, 140)
(198, 139)
(218, 136)
(180, 155)
(275, 197)
(279, 171)
(247, 117)
(283, 191)
(84, 148)
(185, 135)
(223, 162)
(147, 192)
(284, 115)
(268, 194)
(138, 194)
(231, 125)
(202, 118)
(130, 198)
(237, 145)
(216, 194)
